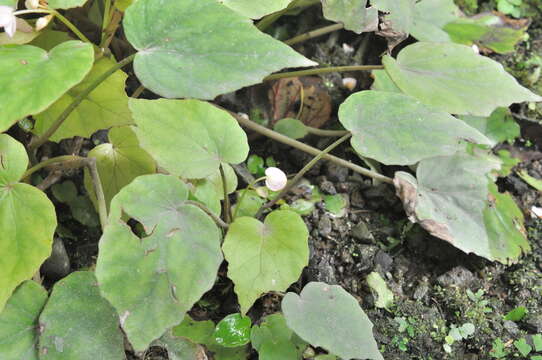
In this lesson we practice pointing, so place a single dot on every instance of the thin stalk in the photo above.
(302, 172)
(251, 185)
(213, 216)
(310, 150)
(322, 132)
(314, 34)
(324, 70)
(77, 162)
(37, 142)
(106, 17)
(98, 190)
(227, 207)
(109, 32)
(70, 26)
(138, 91)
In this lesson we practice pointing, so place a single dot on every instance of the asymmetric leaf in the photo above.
(454, 78)
(103, 108)
(352, 13)
(255, 9)
(19, 322)
(77, 323)
(383, 82)
(265, 256)
(450, 198)
(27, 220)
(184, 54)
(430, 17)
(233, 331)
(154, 280)
(38, 78)
(396, 129)
(327, 316)
(188, 138)
(498, 127)
(119, 162)
(275, 341)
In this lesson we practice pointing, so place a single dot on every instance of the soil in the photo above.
(435, 286)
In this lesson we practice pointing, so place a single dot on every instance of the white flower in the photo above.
(32, 4)
(43, 21)
(350, 83)
(276, 179)
(347, 48)
(8, 20)
(536, 212)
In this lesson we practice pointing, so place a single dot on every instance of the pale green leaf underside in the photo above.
(327, 316)
(255, 9)
(65, 4)
(352, 13)
(450, 199)
(103, 108)
(77, 323)
(265, 256)
(188, 138)
(210, 191)
(27, 221)
(152, 281)
(430, 16)
(182, 51)
(32, 79)
(454, 78)
(401, 13)
(19, 322)
(396, 129)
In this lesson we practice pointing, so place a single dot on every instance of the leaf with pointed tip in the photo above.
(396, 129)
(192, 137)
(77, 323)
(32, 79)
(169, 269)
(27, 220)
(183, 53)
(19, 322)
(119, 162)
(104, 107)
(255, 9)
(265, 256)
(329, 317)
(453, 78)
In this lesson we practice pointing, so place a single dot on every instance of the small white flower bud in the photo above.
(8, 21)
(32, 4)
(475, 48)
(42, 22)
(347, 48)
(536, 212)
(350, 83)
(276, 179)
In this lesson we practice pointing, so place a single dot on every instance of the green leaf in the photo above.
(48, 39)
(396, 129)
(535, 183)
(383, 82)
(65, 192)
(210, 191)
(452, 200)
(255, 9)
(498, 127)
(119, 162)
(122, 5)
(275, 341)
(27, 220)
(179, 348)
(537, 341)
(107, 106)
(192, 137)
(77, 323)
(385, 296)
(65, 4)
(329, 317)
(352, 13)
(19, 322)
(183, 53)
(25, 34)
(199, 332)
(401, 13)
(516, 314)
(32, 79)
(430, 17)
(265, 256)
(292, 128)
(233, 331)
(250, 205)
(170, 268)
(454, 78)
(336, 204)
(255, 165)
(522, 346)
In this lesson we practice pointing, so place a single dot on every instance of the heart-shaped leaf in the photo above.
(454, 78)
(182, 52)
(170, 268)
(327, 316)
(255, 9)
(396, 129)
(192, 137)
(293, 128)
(498, 127)
(233, 331)
(19, 322)
(77, 323)
(352, 13)
(179, 348)
(274, 340)
(450, 198)
(265, 256)
(107, 106)
(27, 220)
(31, 79)
(430, 17)
(119, 162)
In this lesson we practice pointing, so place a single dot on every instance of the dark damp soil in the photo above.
(435, 286)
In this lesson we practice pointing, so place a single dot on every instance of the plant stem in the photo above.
(111, 29)
(309, 149)
(322, 132)
(245, 190)
(138, 91)
(216, 219)
(227, 208)
(324, 70)
(106, 16)
(302, 172)
(78, 161)
(314, 34)
(37, 142)
(98, 190)
(70, 26)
